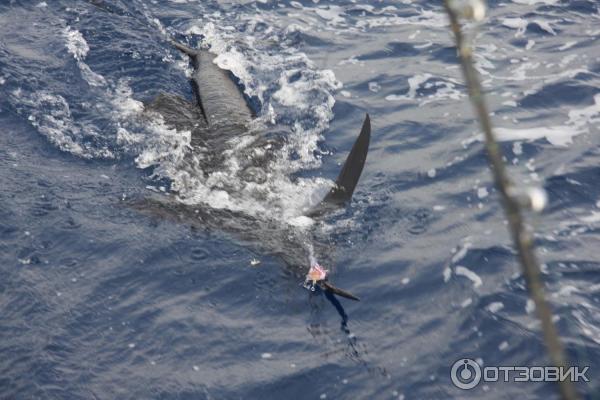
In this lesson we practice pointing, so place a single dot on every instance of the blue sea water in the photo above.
(101, 300)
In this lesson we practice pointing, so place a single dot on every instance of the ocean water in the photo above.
(104, 296)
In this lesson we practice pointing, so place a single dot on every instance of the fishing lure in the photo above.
(317, 275)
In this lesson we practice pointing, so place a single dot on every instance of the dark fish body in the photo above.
(218, 96)
(221, 114)
(221, 100)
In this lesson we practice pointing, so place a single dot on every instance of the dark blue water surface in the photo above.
(100, 299)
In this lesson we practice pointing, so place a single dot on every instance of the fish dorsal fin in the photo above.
(346, 181)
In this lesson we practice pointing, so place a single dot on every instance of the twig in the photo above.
(523, 239)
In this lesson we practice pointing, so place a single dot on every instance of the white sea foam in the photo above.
(298, 92)
(567, 45)
(92, 78)
(556, 135)
(374, 87)
(592, 218)
(445, 89)
(529, 306)
(447, 274)
(521, 24)
(467, 273)
(587, 324)
(530, 44)
(545, 25)
(578, 123)
(482, 192)
(460, 254)
(495, 306)
(587, 115)
(333, 14)
(79, 48)
(76, 44)
(466, 303)
(414, 82)
(51, 114)
(426, 18)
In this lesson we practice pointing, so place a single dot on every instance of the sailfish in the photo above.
(219, 113)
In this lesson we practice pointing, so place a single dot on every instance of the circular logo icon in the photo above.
(465, 373)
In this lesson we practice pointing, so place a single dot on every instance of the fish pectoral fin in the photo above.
(176, 111)
(337, 291)
(161, 209)
(348, 178)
